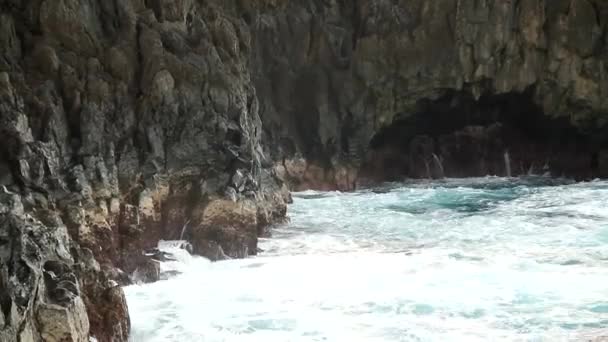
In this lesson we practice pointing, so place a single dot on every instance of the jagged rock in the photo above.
(122, 122)
(58, 323)
(39, 290)
(238, 181)
(106, 305)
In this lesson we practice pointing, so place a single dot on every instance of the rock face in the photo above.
(336, 76)
(126, 122)
(40, 293)
(121, 121)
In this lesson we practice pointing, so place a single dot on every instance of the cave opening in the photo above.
(457, 135)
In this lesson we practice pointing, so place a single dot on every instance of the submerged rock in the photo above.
(148, 271)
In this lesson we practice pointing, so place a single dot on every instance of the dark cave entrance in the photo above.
(459, 136)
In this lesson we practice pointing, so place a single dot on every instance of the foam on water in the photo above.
(182, 260)
(454, 260)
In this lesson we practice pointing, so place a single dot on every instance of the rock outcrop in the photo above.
(40, 293)
(122, 123)
(126, 122)
(336, 75)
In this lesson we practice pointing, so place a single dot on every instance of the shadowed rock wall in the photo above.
(333, 74)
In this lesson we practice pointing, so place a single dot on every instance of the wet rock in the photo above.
(148, 270)
(226, 228)
(169, 274)
(122, 122)
(210, 250)
(185, 245)
(106, 306)
(157, 254)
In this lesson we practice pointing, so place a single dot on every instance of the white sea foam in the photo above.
(457, 260)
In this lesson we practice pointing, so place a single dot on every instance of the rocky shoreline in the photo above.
(123, 123)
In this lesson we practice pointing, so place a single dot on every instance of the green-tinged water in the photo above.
(489, 259)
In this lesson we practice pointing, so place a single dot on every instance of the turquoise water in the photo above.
(488, 259)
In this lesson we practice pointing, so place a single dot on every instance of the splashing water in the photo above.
(457, 260)
(507, 163)
(181, 236)
(439, 166)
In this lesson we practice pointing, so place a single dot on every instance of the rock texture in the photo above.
(333, 75)
(126, 122)
(123, 122)
(40, 294)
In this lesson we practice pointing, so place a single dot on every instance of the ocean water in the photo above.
(486, 259)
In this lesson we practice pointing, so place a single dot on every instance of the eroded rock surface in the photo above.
(126, 122)
(335, 75)
(40, 292)
(120, 122)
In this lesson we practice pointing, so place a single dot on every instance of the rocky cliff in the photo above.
(126, 122)
(365, 90)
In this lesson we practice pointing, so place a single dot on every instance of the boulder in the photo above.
(226, 228)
